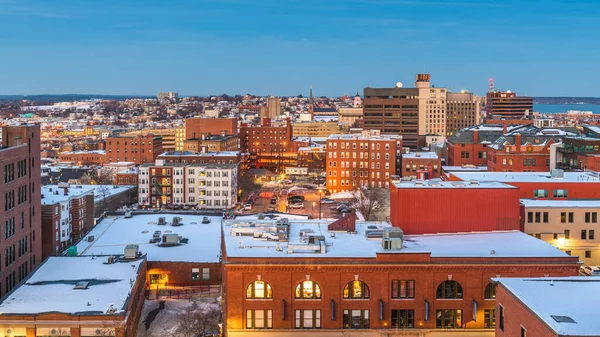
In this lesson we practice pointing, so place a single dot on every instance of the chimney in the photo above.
(223, 133)
(66, 189)
(345, 224)
(475, 136)
(518, 142)
(504, 128)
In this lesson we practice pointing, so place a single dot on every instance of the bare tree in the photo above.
(104, 177)
(368, 201)
(195, 322)
(247, 185)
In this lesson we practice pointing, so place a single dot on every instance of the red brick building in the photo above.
(427, 207)
(470, 146)
(507, 105)
(187, 157)
(83, 158)
(362, 160)
(344, 279)
(198, 126)
(137, 149)
(547, 307)
(21, 244)
(423, 165)
(127, 177)
(541, 185)
(520, 154)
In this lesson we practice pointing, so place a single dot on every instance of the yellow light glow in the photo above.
(561, 242)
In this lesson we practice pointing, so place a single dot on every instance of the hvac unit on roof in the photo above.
(131, 252)
(162, 220)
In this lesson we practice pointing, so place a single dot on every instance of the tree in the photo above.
(368, 201)
(194, 321)
(247, 185)
(103, 177)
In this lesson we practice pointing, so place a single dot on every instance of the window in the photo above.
(490, 291)
(538, 217)
(594, 217)
(356, 289)
(563, 217)
(588, 217)
(308, 319)
(448, 319)
(403, 319)
(403, 289)
(259, 319)
(571, 217)
(259, 290)
(523, 332)
(588, 254)
(530, 217)
(560, 193)
(540, 193)
(583, 234)
(489, 318)
(356, 319)
(545, 217)
(308, 290)
(206, 274)
(195, 273)
(449, 289)
(501, 318)
(591, 234)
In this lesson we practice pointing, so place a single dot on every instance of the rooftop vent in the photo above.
(176, 221)
(162, 220)
(557, 173)
(82, 285)
(473, 182)
(563, 319)
(131, 252)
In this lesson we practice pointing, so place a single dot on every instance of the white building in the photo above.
(205, 186)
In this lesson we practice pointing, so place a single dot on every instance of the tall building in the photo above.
(20, 193)
(170, 95)
(507, 105)
(462, 111)
(362, 160)
(198, 126)
(169, 136)
(273, 109)
(138, 149)
(432, 107)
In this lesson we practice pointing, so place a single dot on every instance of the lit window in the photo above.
(259, 290)
(356, 289)
(308, 290)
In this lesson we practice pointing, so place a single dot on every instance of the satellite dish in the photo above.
(508, 92)
(399, 85)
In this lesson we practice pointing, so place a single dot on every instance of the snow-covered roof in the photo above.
(114, 233)
(51, 287)
(417, 155)
(528, 177)
(575, 297)
(356, 136)
(579, 203)
(593, 128)
(355, 245)
(450, 184)
(85, 152)
(464, 168)
(201, 154)
(52, 194)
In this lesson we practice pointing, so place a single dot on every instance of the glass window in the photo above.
(403, 289)
(489, 318)
(195, 273)
(259, 319)
(356, 289)
(448, 319)
(308, 319)
(206, 274)
(403, 319)
(308, 290)
(490, 291)
(449, 289)
(259, 290)
(356, 319)
(571, 217)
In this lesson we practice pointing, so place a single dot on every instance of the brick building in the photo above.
(67, 214)
(187, 157)
(578, 153)
(212, 143)
(521, 153)
(547, 307)
(198, 126)
(425, 207)
(83, 158)
(507, 105)
(78, 296)
(21, 216)
(312, 158)
(318, 129)
(423, 165)
(342, 278)
(469, 146)
(362, 160)
(127, 176)
(137, 149)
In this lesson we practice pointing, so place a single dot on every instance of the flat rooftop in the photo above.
(249, 238)
(196, 154)
(52, 194)
(579, 203)
(576, 297)
(114, 233)
(464, 168)
(417, 155)
(528, 177)
(51, 287)
(450, 184)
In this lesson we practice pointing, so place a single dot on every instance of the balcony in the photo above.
(565, 150)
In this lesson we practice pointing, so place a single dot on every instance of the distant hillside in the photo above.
(566, 100)
(68, 97)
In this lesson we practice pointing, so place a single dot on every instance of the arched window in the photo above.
(490, 291)
(308, 290)
(259, 290)
(356, 289)
(449, 289)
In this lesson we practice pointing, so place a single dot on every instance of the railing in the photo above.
(156, 291)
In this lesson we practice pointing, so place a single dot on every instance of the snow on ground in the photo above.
(342, 195)
(165, 323)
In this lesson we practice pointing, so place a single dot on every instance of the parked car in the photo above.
(186, 207)
(295, 197)
(287, 182)
(272, 208)
(273, 201)
(590, 270)
(293, 178)
(205, 220)
(297, 205)
(327, 201)
(248, 207)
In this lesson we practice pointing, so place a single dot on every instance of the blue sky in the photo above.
(280, 47)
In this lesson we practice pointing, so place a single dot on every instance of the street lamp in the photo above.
(312, 211)
(320, 197)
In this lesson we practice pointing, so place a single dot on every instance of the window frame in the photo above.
(442, 290)
(300, 294)
(364, 290)
(251, 291)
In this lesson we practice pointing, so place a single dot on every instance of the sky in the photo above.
(281, 47)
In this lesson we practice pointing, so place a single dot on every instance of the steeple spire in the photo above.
(310, 97)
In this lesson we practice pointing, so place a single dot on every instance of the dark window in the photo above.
(356, 319)
(530, 217)
(403, 289)
(449, 289)
(403, 319)
(448, 319)
(571, 217)
(588, 254)
(563, 217)
(490, 291)
(583, 234)
(545, 217)
(538, 217)
(567, 233)
(591, 234)
(501, 318)
(588, 217)
(523, 332)
(594, 217)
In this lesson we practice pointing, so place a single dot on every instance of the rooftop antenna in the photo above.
(491, 89)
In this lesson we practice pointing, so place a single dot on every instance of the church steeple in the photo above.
(310, 97)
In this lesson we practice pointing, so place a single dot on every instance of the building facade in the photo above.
(463, 110)
(422, 165)
(317, 129)
(21, 245)
(137, 149)
(520, 154)
(204, 186)
(187, 157)
(350, 116)
(198, 126)
(507, 105)
(212, 143)
(83, 158)
(362, 160)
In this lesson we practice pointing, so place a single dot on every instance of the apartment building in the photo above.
(83, 158)
(507, 105)
(171, 137)
(188, 157)
(21, 245)
(350, 116)
(368, 159)
(198, 126)
(318, 129)
(138, 149)
(422, 165)
(212, 143)
(463, 110)
(67, 214)
(521, 153)
(273, 108)
(204, 186)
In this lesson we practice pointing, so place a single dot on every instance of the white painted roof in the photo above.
(579, 203)
(460, 168)
(50, 287)
(114, 233)
(450, 184)
(50, 196)
(201, 154)
(86, 152)
(425, 155)
(527, 177)
(349, 245)
(576, 297)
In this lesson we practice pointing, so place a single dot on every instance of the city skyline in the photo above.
(281, 47)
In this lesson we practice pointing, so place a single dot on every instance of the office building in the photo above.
(463, 110)
(212, 143)
(507, 105)
(198, 126)
(421, 165)
(273, 109)
(138, 149)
